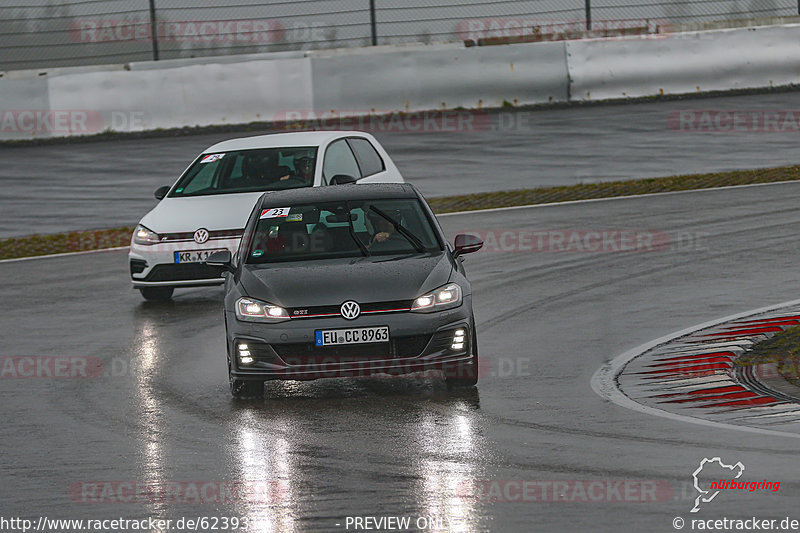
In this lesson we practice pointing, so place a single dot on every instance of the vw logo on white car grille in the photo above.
(201, 236)
(350, 310)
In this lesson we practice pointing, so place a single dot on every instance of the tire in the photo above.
(464, 375)
(243, 389)
(156, 294)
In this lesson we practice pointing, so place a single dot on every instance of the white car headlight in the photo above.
(445, 297)
(250, 310)
(142, 235)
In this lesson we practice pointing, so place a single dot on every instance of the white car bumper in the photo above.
(161, 265)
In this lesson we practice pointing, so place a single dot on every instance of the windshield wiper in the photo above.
(402, 230)
(361, 245)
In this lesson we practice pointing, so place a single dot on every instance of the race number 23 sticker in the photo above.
(275, 212)
(211, 158)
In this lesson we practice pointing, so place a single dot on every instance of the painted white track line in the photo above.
(604, 381)
(68, 254)
(491, 210)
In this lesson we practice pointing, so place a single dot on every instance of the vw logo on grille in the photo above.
(350, 310)
(201, 236)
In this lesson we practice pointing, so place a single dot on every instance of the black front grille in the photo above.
(184, 272)
(366, 308)
(305, 353)
(138, 266)
(189, 235)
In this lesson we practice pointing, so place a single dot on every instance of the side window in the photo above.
(339, 159)
(368, 158)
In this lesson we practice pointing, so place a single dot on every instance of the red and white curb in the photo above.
(690, 376)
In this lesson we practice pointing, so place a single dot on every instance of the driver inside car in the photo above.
(257, 171)
(304, 167)
(383, 229)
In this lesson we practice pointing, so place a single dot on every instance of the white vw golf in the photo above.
(207, 208)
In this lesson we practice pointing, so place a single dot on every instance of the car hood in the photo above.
(334, 281)
(215, 212)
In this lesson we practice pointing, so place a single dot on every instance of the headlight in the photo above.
(142, 235)
(251, 310)
(442, 298)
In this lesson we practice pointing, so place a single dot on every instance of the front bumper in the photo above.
(286, 350)
(154, 265)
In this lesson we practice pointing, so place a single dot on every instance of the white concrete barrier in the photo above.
(683, 63)
(418, 78)
(267, 87)
(194, 95)
(22, 97)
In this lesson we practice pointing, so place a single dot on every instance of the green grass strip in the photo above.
(60, 243)
(611, 189)
(78, 241)
(782, 349)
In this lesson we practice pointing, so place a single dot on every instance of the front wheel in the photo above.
(464, 375)
(243, 389)
(156, 294)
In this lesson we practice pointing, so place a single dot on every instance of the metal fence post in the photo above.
(374, 22)
(589, 14)
(154, 29)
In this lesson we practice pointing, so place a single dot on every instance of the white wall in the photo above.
(682, 63)
(194, 95)
(422, 78)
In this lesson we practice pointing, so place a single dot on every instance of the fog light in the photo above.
(459, 336)
(245, 357)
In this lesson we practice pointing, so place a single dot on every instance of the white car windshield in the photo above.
(264, 169)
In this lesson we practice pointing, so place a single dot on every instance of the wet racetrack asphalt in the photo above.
(160, 411)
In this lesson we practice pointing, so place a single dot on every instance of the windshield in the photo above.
(341, 229)
(265, 169)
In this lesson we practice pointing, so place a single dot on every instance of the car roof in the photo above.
(334, 193)
(281, 140)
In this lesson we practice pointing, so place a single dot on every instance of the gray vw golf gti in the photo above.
(346, 280)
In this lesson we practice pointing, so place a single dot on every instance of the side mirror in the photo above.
(466, 244)
(161, 192)
(222, 259)
(342, 179)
